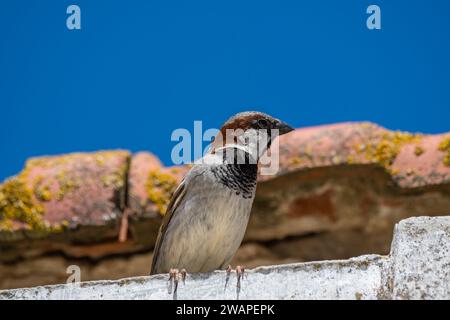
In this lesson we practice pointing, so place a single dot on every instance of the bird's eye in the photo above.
(263, 123)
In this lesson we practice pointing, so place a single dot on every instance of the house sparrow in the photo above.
(208, 214)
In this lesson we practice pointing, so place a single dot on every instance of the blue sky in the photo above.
(139, 69)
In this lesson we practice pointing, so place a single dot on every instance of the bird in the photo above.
(208, 213)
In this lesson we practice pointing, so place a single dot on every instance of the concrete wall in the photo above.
(418, 267)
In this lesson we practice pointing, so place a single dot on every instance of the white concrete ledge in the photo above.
(417, 268)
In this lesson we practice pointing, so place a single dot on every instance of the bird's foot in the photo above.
(174, 277)
(240, 272)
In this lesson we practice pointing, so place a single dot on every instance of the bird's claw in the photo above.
(240, 272)
(174, 278)
(229, 269)
(183, 275)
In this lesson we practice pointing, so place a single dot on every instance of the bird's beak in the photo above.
(283, 127)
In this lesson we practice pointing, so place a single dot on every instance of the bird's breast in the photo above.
(208, 229)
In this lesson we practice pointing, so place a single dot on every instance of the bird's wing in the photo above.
(178, 195)
(176, 199)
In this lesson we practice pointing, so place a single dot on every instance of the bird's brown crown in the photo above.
(245, 121)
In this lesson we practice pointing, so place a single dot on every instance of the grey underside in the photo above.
(207, 227)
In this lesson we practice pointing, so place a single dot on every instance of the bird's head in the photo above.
(254, 131)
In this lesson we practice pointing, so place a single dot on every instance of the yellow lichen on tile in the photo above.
(66, 184)
(159, 187)
(385, 148)
(41, 191)
(22, 197)
(296, 161)
(444, 146)
(115, 178)
(418, 151)
(17, 205)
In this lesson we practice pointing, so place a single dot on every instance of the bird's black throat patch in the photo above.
(240, 177)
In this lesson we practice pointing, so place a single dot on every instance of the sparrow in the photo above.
(207, 216)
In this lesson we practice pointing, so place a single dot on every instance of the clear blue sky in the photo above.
(139, 69)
